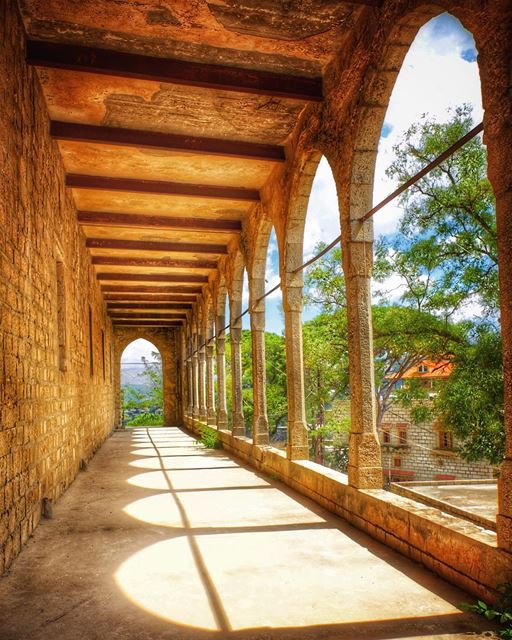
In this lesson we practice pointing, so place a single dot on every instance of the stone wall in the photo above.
(56, 405)
(421, 453)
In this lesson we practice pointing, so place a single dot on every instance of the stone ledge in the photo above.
(458, 550)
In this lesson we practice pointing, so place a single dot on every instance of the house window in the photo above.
(61, 315)
(423, 368)
(397, 462)
(445, 440)
(402, 434)
(386, 433)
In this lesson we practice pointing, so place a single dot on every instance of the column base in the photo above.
(297, 446)
(504, 517)
(364, 467)
(260, 430)
(238, 427)
(211, 419)
(222, 420)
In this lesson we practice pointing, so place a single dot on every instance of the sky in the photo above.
(439, 72)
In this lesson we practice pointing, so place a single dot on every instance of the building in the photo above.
(425, 450)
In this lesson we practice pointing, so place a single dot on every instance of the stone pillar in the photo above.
(195, 378)
(190, 389)
(202, 379)
(211, 417)
(260, 419)
(297, 442)
(365, 466)
(498, 138)
(238, 425)
(222, 412)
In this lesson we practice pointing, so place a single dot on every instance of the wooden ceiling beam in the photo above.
(108, 219)
(155, 277)
(148, 316)
(147, 323)
(77, 132)
(197, 74)
(148, 297)
(147, 245)
(154, 262)
(161, 187)
(119, 288)
(149, 305)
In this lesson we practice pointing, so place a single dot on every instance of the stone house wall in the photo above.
(421, 458)
(56, 372)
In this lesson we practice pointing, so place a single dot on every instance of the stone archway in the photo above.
(165, 341)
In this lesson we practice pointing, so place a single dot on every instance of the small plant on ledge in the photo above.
(501, 612)
(210, 439)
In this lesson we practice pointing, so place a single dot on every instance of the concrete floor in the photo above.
(481, 499)
(163, 539)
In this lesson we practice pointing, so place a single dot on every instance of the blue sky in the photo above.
(439, 73)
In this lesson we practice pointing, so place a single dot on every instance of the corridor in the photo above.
(162, 538)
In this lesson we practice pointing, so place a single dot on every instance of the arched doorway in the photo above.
(141, 385)
(164, 343)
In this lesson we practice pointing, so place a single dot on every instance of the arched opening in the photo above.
(324, 328)
(435, 292)
(141, 385)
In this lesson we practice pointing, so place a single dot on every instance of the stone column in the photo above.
(260, 419)
(365, 466)
(202, 379)
(297, 442)
(190, 389)
(238, 425)
(222, 412)
(498, 138)
(195, 378)
(211, 417)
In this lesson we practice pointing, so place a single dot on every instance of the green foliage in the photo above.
(446, 251)
(275, 365)
(146, 419)
(150, 398)
(444, 256)
(501, 613)
(209, 438)
(471, 402)
(275, 362)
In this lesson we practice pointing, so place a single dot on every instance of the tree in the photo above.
(325, 377)
(445, 256)
(403, 336)
(275, 363)
(446, 250)
(149, 399)
(471, 403)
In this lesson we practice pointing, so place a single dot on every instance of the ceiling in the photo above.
(170, 117)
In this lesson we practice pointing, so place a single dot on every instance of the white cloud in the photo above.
(434, 78)
(322, 219)
(138, 349)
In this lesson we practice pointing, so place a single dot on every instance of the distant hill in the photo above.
(130, 376)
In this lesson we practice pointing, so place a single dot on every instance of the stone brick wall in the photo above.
(421, 454)
(56, 409)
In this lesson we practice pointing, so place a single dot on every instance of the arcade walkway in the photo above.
(161, 538)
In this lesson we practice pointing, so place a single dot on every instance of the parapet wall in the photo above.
(459, 551)
(56, 369)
